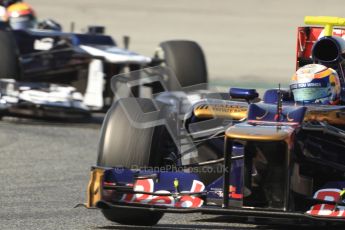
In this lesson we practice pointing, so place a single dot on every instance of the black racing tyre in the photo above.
(9, 62)
(187, 60)
(133, 217)
(122, 145)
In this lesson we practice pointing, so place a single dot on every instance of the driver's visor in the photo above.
(22, 22)
(311, 91)
(311, 94)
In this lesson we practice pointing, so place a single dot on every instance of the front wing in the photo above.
(183, 192)
(40, 100)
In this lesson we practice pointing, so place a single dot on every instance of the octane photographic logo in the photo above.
(179, 100)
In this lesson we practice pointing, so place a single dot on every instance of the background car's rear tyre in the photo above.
(187, 60)
(133, 217)
(9, 62)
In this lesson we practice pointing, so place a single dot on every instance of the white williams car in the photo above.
(87, 62)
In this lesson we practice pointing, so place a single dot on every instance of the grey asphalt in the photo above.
(44, 167)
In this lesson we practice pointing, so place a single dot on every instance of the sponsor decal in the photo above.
(223, 108)
(327, 210)
(232, 192)
(175, 200)
(43, 44)
(336, 32)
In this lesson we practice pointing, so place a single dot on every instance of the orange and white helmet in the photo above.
(21, 16)
(316, 83)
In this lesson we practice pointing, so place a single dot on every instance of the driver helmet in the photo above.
(21, 16)
(7, 3)
(316, 83)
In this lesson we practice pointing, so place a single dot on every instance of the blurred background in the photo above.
(247, 43)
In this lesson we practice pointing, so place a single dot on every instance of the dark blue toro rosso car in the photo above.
(190, 150)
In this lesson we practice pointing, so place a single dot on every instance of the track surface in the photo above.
(44, 167)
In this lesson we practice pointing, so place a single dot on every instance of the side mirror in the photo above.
(96, 29)
(246, 94)
(126, 40)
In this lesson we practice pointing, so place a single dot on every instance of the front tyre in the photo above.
(123, 145)
(9, 62)
(133, 217)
